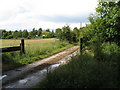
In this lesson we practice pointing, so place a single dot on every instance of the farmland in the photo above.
(96, 66)
(35, 49)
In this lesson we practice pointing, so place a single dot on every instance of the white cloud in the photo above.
(20, 14)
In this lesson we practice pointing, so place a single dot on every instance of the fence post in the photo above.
(81, 45)
(22, 50)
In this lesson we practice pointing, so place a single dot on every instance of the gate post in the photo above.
(81, 45)
(22, 47)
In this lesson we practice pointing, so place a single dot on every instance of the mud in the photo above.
(36, 75)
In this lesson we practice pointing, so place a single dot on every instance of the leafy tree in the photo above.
(39, 33)
(105, 24)
(9, 37)
(59, 33)
(4, 34)
(66, 33)
(15, 34)
(33, 33)
(73, 37)
(51, 34)
(47, 30)
(9, 32)
(76, 34)
(20, 34)
(25, 33)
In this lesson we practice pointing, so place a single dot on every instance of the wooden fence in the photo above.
(81, 46)
(15, 48)
(22, 49)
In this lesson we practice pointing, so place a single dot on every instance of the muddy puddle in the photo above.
(33, 79)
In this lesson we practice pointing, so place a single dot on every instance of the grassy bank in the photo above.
(34, 50)
(87, 72)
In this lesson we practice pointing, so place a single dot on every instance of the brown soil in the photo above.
(41, 40)
(52, 61)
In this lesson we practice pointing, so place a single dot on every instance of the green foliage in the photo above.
(15, 34)
(49, 34)
(82, 72)
(66, 34)
(47, 30)
(5, 34)
(9, 37)
(25, 34)
(39, 33)
(105, 24)
(110, 48)
(33, 33)
(34, 51)
(76, 33)
(59, 33)
(20, 34)
(101, 70)
(63, 34)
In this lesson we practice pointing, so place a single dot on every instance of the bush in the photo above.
(110, 48)
(29, 37)
(9, 37)
(83, 72)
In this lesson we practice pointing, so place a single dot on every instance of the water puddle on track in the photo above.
(33, 79)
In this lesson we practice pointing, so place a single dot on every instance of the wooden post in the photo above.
(81, 45)
(22, 50)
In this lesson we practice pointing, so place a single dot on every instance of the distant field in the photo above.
(10, 42)
(35, 49)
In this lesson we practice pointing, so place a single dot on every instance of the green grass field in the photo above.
(34, 50)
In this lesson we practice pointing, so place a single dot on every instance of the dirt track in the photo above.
(14, 76)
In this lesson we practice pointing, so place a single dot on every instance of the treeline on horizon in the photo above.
(104, 27)
(64, 34)
(26, 34)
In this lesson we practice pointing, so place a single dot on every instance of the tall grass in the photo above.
(87, 72)
(33, 51)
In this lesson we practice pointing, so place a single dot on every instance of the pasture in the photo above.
(35, 49)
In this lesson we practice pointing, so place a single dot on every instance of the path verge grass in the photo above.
(85, 71)
(34, 51)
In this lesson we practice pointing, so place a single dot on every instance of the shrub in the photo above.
(82, 72)
(9, 37)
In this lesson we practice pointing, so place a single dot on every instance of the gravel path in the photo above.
(31, 80)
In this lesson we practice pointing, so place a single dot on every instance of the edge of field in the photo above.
(7, 67)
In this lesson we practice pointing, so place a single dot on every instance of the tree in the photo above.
(15, 34)
(76, 34)
(66, 33)
(105, 24)
(4, 34)
(9, 32)
(9, 37)
(25, 34)
(20, 34)
(51, 34)
(59, 33)
(47, 30)
(39, 33)
(33, 33)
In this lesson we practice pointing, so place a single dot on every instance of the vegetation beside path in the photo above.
(34, 51)
(86, 71)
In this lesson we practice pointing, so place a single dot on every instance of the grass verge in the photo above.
(34, 51)
(87, 72)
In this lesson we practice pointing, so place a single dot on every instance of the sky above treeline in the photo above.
(52, 14)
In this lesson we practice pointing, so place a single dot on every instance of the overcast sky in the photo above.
(52, 14)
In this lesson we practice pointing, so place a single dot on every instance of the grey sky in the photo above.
(27, 14)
